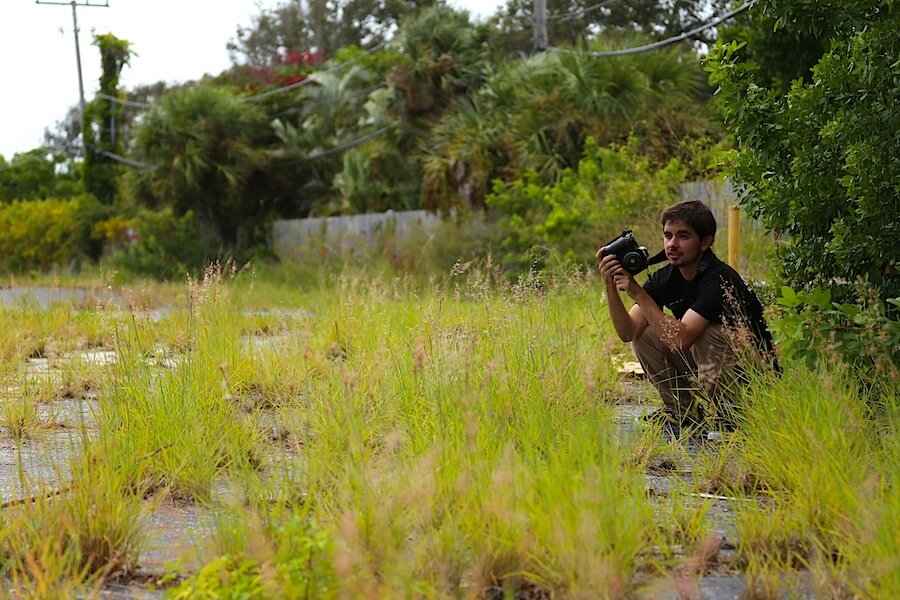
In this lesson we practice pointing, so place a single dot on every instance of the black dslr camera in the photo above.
(631, 256)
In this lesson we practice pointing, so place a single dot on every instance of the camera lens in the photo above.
(632, 262)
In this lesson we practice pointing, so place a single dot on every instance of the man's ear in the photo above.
(706, 243)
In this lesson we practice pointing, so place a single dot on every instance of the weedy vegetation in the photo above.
(457, 437)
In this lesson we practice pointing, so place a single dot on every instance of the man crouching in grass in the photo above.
(691, 355)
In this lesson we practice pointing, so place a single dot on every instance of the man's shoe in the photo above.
(672, 430)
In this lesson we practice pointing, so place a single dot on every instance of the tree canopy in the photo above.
(203, 145)
(320, 25)
(412, 106)
(37, 174)
(817, 159)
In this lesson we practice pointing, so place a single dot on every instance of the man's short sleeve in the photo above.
(710, 298)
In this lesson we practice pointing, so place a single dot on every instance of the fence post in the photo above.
(734, 236)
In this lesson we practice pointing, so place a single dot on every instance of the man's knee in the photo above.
(643, 345)
(714, 358)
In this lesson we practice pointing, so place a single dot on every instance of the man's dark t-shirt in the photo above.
(717, 293)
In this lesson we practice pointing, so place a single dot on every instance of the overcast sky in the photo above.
(175, 40)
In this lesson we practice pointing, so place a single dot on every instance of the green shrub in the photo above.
(45, 233)
(38, 174)
(161, 245)
(818, 161)
(864, 333)
(613, 188)
(286, 556)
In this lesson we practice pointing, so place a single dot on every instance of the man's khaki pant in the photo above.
(684, 378)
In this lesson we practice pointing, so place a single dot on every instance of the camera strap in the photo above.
(657, 258)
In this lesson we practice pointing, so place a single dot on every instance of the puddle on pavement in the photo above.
(43, 459)
(176, 532)
(45, 296)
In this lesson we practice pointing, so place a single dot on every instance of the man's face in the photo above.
(682, 244)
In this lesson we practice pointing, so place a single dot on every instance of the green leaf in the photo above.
(788, 297)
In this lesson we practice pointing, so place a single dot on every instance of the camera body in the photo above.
(633, 257)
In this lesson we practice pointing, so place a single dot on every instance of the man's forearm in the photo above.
(621, 320)
(666, 328)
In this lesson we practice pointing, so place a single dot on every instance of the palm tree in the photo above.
(443, 56)
(202, 143)
(536, 114)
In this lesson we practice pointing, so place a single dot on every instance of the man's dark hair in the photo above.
(694, 213)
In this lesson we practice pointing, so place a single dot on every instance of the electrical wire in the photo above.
(576, 14)
(341, 148)
(122, 159)
(346, 146)
(131, 103)
(669, 41)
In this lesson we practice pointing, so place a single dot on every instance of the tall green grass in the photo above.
(455, 443)
(380, 436)
(66, 538)
(827, 459)
(175, 427)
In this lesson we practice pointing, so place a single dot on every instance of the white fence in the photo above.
(715, 194)
(294, 238)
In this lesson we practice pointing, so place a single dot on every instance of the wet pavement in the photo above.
(37, 465)
(177, 531)
(45, 296)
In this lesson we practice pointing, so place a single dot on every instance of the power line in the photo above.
(131, 103)
(119, 158)
(373, 134)
(340, 148)
(674, 39)
(576, 14)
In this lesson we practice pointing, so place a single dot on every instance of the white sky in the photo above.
(175, 40)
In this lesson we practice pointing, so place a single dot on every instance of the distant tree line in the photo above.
(353, 106)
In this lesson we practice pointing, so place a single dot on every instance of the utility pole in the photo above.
(540, 25)
(75, 6)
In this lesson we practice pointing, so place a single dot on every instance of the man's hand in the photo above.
(614, 275)
(628, 324)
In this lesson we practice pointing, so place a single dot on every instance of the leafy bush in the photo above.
(156, 243)
(865, 333)
(37, 174)
(45, 233)
(818, 161)
(612, 188)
